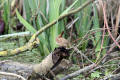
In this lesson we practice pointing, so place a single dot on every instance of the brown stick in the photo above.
(12, 74)
(74, 74)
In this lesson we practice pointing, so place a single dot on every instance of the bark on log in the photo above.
(35, 72)
(14, 67)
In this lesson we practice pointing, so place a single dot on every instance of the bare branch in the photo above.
(113, 77)
(21, 34)
(76, 73)
(12, 74)
(78, 51)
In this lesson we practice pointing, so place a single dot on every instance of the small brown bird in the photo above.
(60, 41)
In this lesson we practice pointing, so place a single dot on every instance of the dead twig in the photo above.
(117, 58)
(102, 66)
(78, 51)
(14, 35)
(12, 74)
(113, 45)
(76, 73)
(106, 25)
(117, 23)
(114, 77)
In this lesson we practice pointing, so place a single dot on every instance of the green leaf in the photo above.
(6, 15)
(68, 9)
(83, 25)
(95, 74)
(27, 10)
(25, 23)
(31, 29)
(54, 14)
(96, 26)
(32, 5)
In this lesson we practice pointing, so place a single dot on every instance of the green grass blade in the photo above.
(54, 14)
(69, 8)
(27, 10)
(25, 23)
(6, 15)
(31, 29)
(97, 35)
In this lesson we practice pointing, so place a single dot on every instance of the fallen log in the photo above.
(36, 71)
